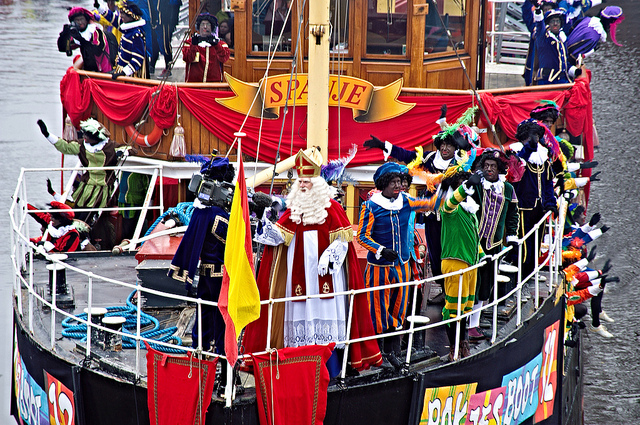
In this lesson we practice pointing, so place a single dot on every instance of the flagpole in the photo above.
(238, 135)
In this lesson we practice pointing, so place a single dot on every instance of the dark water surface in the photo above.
(30, 71)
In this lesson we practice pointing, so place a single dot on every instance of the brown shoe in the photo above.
(464, 348)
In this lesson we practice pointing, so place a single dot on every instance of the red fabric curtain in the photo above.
(414, 128)
(179, 388)
(292, 385)
(120, 105)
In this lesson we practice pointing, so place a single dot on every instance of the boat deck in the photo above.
(122, 364)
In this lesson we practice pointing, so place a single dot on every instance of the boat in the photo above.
(390, 72)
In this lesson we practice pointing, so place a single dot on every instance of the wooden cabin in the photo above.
(376, 40)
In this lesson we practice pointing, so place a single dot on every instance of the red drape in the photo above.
(292, 385)
(125, 103)
(179, 388)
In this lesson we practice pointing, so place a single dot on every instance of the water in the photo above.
(31, 68)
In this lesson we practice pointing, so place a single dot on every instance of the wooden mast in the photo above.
(318, 93)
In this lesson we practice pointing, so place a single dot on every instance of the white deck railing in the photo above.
(22, 248)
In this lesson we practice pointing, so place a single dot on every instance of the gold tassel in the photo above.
(69, 132)
(178, 147)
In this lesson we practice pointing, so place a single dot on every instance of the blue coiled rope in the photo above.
(183, 210)
(72, 328)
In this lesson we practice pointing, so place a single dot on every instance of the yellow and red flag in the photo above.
(239, 300)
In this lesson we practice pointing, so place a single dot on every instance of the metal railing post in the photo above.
(89, 321)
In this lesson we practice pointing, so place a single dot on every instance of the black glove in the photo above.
(195, 39)
(606, 267)
(115, 75)
(594, 177)
(594, 219)
(577, 72)
(374, 142)
(65, 29)
(592, 254)
(75, 33)
(473, 180)
(214, 41)
(43, 128)
(50, 188)
(606, 279)
(443, 110)
(389, 254)
(590, 164)
(605, 228)
(553, 209)
(96, 4)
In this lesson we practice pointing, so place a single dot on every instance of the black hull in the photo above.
(100, 398)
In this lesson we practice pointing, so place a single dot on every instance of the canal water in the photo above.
(31, 68)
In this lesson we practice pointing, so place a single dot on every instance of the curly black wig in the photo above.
(494, 155)
(385, 179)
(525, 128)
(454, 181)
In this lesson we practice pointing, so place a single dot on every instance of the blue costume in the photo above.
(204, 241)
(131, 56)
(382, 225)
(550, 64)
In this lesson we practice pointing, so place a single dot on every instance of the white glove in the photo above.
(332, 258)
(268, 233)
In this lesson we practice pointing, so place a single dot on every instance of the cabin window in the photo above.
(387, 27)
(339, 18)
(451, 15)
(221, 9)
(268, 15)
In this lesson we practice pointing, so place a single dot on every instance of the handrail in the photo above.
(20, 240)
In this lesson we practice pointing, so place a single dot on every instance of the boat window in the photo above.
(451, 15)
(338, 16)
(221, 9)
(387, 27)
(268, 15)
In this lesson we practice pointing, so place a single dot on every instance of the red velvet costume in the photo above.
(204, 64)
(272, 278)
(67, 242)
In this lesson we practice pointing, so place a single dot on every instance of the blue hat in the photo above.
(555, 13)
(387, 167)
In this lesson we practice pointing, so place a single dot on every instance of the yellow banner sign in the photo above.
(369, 104)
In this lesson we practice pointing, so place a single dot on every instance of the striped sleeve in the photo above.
(458, 196)
(365, 226)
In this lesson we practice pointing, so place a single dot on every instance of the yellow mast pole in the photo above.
(318, 94)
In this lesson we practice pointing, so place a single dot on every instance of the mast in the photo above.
(318, 94)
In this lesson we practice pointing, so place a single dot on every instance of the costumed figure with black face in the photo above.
(550, 65)
(529, 7)
(460, 249)
(205, 53)
(309, 251)
(201, 251)
(382, 230)
(132, 60)
(497, 224)
(95, 149)
(84, 33)
(534, 189)
(61, 234)
(588, 32)
(449, 143)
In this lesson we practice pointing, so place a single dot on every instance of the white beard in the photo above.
(310, 206)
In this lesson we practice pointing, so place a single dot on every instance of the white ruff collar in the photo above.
(539, 156)
(88, 31)
(596, 24)
(95, 148)
(60, 231)
(497, 186)
(440, 163)
(134, 24)
(386, 203)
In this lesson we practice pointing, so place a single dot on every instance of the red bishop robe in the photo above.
(273, 276)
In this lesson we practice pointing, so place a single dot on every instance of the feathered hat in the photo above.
(334, 169)
(206, 17)
(459, 134)
(77, 11)
(555, 13)
(95, 129)
(544, 109)
(610, 17)
(130, 9)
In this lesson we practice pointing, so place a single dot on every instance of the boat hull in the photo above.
(508, 379)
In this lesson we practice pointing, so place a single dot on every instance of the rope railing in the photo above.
(24, 277)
